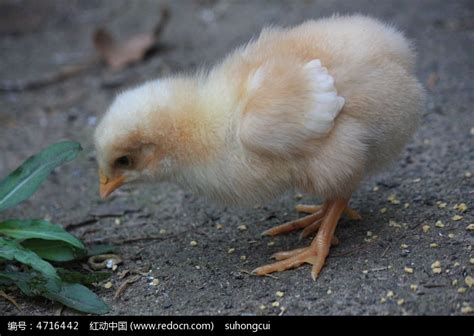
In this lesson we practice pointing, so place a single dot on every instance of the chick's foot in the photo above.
(310, 223)
(326, 218)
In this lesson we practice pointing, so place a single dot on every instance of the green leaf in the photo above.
(73, 295)
(99, 249)
(25, 180)
(11, 250)
(85, 279)
(53, 250)
(26, 229)
(78, 297)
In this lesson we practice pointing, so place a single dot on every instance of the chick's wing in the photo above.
(288, 107)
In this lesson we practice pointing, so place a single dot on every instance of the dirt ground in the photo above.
(39, 38)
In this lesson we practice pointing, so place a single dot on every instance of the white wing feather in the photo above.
(285, 128)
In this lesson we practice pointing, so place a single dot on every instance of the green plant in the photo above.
(37, 243)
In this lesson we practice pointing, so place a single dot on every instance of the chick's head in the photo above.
(132, 139)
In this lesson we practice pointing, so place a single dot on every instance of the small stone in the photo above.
(392, 223)
(470, 227)
(400, 302)
(280, 294)
(390, 294)
(393, 199)
(436, 264)
(454, 282)
(467, 174)
(271, 243)
(456, 264)
(451, 235)
(417, 180)
(329, 292)
(434, 245)
(469, 280)
(298, 196)
(193, 243)
(383, 300)
(437, 270)
(365, 271)
(414, 287)
(262, 307)
(442, 205)
(376, 188)
(467, 310)
(231, 250)
(369, 233)
(383, 210)
(108, 285)
(462, 207)
(406, 205)
(155, 282)
(408, 270)
(117, 221)
(219, 226)
(457, 218)
(243, 258)
(242, 227)
(197, 267)
(403, 246)
(462, 290)
(276, 304)
(426, 228)
(471, 261)
(162, 231)
(439, 224)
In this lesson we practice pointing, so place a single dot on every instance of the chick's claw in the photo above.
(317, 252)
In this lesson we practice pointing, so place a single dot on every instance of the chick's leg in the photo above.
(317, 252)
(349, 212)
(310, 223)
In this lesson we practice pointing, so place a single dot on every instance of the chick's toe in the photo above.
(317, 252)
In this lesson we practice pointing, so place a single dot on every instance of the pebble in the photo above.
(193, 243)
(408, 270)
(439, 224)
(462, 207)
(280, 294)
(393, 199)
(469, 280)
(457, 218)
(426, 228)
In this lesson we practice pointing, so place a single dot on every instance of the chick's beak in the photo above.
(107, 186)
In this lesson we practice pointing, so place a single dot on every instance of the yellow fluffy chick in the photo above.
(316, 107)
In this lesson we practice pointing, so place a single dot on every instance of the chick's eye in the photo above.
(123, 161)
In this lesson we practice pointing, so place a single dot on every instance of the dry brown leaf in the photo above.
(118, 54)
(130, 280)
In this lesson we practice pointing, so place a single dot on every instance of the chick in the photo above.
(316, 107)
